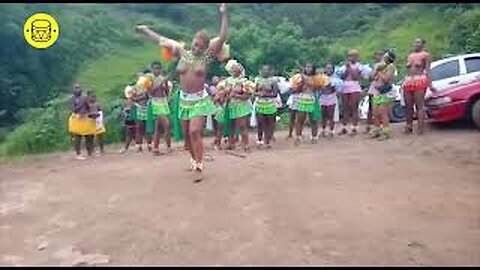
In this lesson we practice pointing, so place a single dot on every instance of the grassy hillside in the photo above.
(105, 53)
(398, 29)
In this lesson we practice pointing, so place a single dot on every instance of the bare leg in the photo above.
(242, 123)
(330, 114)
(139, 134)
(409, 103)
(156, 136)
(89, 143)
(376, 117)
(314, 126)
(346, 112)
(299, 122)
(187, 137)
(324, 118)
(77, 141)
(100, 143)
(196, 133)
(130, 136)
(385, 108)
(354, 101)
(419, 98)
(261, 126)
(165, 124)
(232, 136)
(269, 129)
(291, 123)
(370, 113)
(218, 134)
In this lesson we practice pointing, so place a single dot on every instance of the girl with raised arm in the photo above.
(195, 103)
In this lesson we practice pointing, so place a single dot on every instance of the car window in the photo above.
(445, 70)
(473, 64)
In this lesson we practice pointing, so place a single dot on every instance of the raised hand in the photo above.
(223, 8)
(141, 27)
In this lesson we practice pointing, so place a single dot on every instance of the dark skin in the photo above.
(308, 88)
(377, 58)
(94, 113)
(238, 92)
(140, 126)
(162, 123)
(80, 106)
(266, 123)
(417, 98)
(381, 112)
(293, 113)
(219, 98)
(350, 101)
(193, 77)
(129, 126)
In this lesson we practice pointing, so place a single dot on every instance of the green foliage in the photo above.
(44, 131)
(466, 32)
(99, 48)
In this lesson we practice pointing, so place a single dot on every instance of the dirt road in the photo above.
(412, 200)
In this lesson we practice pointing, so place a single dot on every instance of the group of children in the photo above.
(86, 121)
(313, 95)
(317, 96)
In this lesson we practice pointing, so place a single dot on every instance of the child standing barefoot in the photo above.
(378, 59)
(385, 74)
(128, 124)
(328, 101)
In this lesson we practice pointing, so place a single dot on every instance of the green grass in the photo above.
(127, 53)
(397, 31)
(108, 76)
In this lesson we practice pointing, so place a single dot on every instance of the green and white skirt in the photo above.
(220, 114)
(266, 106)
(305, 103)
(239, 108)
(159, 106)
(140, 112)
(195, 105)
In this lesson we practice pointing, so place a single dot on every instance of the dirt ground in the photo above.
(347, 201)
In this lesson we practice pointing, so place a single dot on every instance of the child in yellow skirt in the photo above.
(80, 124)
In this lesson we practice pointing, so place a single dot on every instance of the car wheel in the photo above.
(397, 112)
(476, 113)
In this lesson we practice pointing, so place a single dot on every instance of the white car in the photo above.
(446, 73)
(455, 70)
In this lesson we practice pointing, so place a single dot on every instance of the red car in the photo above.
(455, 103)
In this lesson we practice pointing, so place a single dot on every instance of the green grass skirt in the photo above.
(265, 106)
(191, 109)
(159, 107)
(239, 108)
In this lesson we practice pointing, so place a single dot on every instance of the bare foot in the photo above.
(209, 157)
(197, 176)
(296, 142)
(80, 157)
(343, 131)
(408, 130)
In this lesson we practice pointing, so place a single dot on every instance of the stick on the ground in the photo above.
(233, 153)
